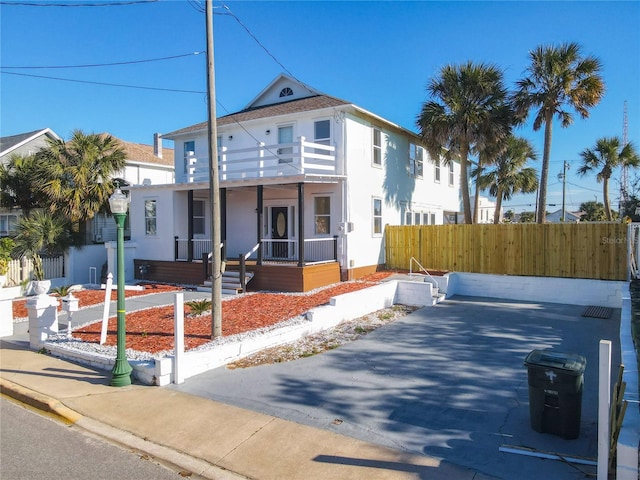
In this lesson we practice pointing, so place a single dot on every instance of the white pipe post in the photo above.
(105, 312)
(604, 401)
(178, 341)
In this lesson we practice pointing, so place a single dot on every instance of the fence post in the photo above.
(178, 328)
(205, 266)
(243, 273)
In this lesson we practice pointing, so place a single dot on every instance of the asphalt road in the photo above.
(446, 381)
(34, 446)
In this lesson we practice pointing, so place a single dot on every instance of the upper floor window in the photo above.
(286, 92)
(322, 135)
(150, 218)
(322, 213)
(377, 216)
(436, 171)
(377, 147)
(451, 174)
(285, 136)
(189, 152)
(416, 164)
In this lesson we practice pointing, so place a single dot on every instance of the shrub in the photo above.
(198, 307)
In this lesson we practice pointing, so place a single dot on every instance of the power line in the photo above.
(87, 65)
(141, 87)
(75, 4)
(235, 17)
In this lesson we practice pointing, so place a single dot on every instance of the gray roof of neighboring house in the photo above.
(7, 143)
(315, 102)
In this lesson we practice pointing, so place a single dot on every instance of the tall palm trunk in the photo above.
(476, 200)
(496, 214)
(544, 174)
(464, 183)
(605, 192)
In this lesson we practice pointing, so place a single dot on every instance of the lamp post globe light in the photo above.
(121, 373)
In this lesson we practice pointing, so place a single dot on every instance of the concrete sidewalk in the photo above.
(208, 438)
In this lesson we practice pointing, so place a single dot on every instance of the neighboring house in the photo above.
(145, 165)
(486, 209)
(307, 184)
(21, 144)
(569, 217)
(25, 143)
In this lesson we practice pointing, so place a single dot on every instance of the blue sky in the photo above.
(378, 55)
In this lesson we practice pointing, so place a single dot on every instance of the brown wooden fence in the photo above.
(576, 250)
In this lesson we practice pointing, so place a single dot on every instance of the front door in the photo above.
(280, 232)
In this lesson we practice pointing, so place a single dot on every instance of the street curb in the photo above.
(38, 400)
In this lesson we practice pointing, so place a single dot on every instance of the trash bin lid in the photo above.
(570, 363)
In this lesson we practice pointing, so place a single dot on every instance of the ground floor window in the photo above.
(377, 216)
(150, 217)
(322, 212)
(198, 217)
(7, 223)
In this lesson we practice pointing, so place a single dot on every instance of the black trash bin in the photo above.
(555, 391)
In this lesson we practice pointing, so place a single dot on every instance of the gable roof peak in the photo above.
(283, 88)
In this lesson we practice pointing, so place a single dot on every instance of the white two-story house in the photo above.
(307, 184)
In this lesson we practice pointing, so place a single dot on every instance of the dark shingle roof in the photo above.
(316, 102)
(8, 142)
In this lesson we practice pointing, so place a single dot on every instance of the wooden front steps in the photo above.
(231, 284)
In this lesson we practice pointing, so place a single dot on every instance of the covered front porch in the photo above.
(283, 231)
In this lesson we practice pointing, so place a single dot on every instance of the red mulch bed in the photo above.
(151, 330)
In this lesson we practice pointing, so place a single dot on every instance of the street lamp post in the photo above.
(121, 373)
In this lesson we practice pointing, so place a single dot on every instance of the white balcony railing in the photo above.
(266, 161)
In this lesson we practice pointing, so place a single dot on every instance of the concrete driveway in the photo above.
(446, 381)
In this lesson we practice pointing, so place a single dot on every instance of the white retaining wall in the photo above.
(570, 291)
(627, 464)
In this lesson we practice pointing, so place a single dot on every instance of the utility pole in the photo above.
(214, 186)
(563, 175)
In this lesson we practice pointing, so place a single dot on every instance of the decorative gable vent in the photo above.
(286, 92)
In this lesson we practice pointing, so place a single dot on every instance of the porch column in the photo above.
(223, 222)
(259, 211)
(301, 224)
(190, 226)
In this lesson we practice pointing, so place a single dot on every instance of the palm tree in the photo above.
(508, 175)
(80, 171)
(41, 233)
(469, 109)
(558, 77)
(606, 156)
(19, 183)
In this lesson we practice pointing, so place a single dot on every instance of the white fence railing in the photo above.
(21, 269)
(200, 247)
(316, 250)
(264, 161)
